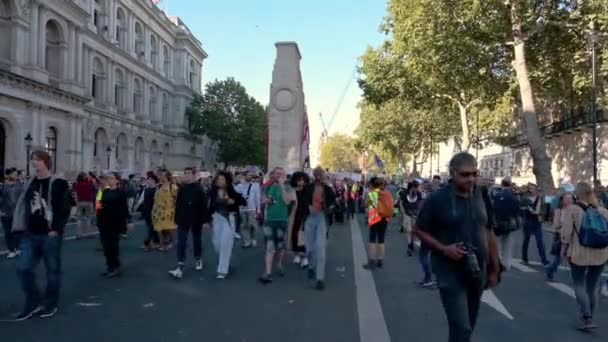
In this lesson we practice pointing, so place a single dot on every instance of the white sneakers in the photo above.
(12, 255)
(300, 260)
(304, 263)
(177, 273)
(297, 260)
(199, 265)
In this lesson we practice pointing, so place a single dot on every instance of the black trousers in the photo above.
(110, 239)
(151, 234)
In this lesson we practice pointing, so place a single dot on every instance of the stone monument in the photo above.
(288, 135)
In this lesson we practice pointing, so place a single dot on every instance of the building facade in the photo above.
(100, 84)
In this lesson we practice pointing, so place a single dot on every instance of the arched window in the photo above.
(165, 112)
(121, 150)
(139, 152)
(152, 105)
(154, 153)
(6, 13)
(139, 41)
(54, 56)
(153, 51)
(119, 89)
(50, 145)
(97, 80)
(166, 61)
(137, 96)
(101, 142)
(121, 25)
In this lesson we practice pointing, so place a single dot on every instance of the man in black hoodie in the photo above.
(191, 214)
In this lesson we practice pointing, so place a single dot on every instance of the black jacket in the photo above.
(114, 212)
(329, 199)
(191, 206)
(238, 199)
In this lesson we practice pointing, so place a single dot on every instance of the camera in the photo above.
(470, 261)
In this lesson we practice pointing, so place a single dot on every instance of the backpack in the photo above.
(385, 204)
(593, 232)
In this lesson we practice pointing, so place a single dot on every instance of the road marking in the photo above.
(563, 288)
(518, 265)
(561, 267)
(372, 326)
(490, 298)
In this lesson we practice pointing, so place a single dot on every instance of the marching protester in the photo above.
(532, 203)
(191, 213)
(85, 199)
(250, 212)
(507, 215)
(453, 222)
(559, 215)
(145, 205)
(163, 211)
(298, 214)
(224, 203)
(41, 213)
(276, 197)
(321, 201)
(583, 234)
(111, 218)
(380, 204)
(10, 192)
(410, 200)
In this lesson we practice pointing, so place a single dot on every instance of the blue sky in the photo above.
(239, 36)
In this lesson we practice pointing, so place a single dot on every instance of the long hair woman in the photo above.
(223, 207)
(564, 201)
(112, 216)
(586, 264)
(297, 217)
(163, 211)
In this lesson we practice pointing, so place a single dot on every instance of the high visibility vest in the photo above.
(98, 199)
(372, 214)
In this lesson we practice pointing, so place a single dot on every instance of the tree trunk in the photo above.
(541, 164)
(466, 142)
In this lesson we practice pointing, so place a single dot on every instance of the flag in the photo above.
(379, 163)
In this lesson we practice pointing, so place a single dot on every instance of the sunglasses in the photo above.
(474, 174)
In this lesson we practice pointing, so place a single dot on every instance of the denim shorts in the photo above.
(274, 235)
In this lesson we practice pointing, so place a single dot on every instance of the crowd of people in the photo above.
(465, 227)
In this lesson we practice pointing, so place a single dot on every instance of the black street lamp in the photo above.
(594, 39)
(28, 148)
(109, 153)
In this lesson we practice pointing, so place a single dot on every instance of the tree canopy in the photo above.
(339, 154)
(231, 117)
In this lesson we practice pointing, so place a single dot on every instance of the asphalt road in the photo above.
(147, 305)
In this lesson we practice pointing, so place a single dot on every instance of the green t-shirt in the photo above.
(278, 210)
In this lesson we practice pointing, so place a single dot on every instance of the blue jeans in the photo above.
(182, 242)
(33, 248)
(557, 260)
(586, 281)
(315, 233)
(424, 255)
(534, 228)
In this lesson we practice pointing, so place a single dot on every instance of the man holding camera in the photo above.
(454, 223)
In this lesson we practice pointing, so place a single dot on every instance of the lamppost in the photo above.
(28, 148)
(593, 35)
(109, 154)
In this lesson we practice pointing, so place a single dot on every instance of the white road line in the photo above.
(372, 326)
(490, 298)
(518, 265)
(563, 288)
(561, 267)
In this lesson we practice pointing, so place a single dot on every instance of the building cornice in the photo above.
(36, 90)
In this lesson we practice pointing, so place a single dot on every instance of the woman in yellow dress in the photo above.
(163, 211)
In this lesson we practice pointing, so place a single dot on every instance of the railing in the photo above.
(567, 125)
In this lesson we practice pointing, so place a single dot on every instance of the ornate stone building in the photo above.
(100, 84)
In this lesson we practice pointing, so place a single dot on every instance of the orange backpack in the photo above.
(385, 204)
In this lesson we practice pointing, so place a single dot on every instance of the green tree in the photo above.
(230, 116)
(339, 154)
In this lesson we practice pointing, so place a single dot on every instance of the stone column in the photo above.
(131, 33)
(147, 45)
(33, 39)
(71, 60)
(146, 102)
(79, 77)
(41, 38)
(111, 20)
(110, 83)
